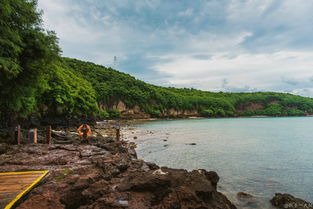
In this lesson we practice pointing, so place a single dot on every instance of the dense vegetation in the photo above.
(25, 52)
(111, 86)
(36, 81)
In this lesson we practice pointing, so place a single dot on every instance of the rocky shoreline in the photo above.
(107, 174)
(239, 198)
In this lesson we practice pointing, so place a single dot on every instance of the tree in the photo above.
(25, 51)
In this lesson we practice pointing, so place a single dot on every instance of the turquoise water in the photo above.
(260, 156)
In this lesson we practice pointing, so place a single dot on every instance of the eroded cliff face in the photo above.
(180, 113)
(134, 112)
(252, 106)
(107, 174)
(137, 113)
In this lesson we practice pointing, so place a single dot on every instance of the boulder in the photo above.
(287, 201)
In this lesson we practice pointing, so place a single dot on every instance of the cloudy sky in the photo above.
(216, 45)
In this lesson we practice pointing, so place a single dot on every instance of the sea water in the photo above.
(260, 156)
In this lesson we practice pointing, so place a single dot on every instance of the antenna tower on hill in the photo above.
(115, 61)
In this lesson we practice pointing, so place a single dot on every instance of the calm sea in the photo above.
(260, 156)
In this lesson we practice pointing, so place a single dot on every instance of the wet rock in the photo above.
(131, 150)
(247, 200)
(174, 188)
(100, 139)
(252, 204)
(211, 176)
(287, 201)
(243, 195)
(114, 147)
(140, 182)
(47, 200)
(152, 166)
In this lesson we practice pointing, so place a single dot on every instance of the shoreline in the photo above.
(105, 173)
(200, 117)
(129, 121)
(68, 162)
(133, 134)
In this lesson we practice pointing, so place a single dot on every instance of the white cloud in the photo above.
(57, 16)
(257, 71)
(97, 38)
(251, 44)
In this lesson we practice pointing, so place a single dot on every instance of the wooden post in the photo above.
(48, 134)
(32, 135)
(117, 133)
(17, 134)
(35, 135)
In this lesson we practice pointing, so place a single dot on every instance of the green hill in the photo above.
(112, 87)
(37, 83)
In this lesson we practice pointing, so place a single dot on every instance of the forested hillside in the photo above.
(36, 82)
(112, 86)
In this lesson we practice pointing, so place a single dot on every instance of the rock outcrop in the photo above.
(126, 112)
(108, 175)
(136, 112)
(287, 201)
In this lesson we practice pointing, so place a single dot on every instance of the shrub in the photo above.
(115, 113)
(103, 114)
(206, 112)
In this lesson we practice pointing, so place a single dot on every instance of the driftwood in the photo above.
(62, 137)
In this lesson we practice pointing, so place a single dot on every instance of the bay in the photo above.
(260, 156)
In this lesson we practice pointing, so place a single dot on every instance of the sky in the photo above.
(214, 45)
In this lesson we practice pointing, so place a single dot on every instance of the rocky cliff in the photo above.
(138, 113)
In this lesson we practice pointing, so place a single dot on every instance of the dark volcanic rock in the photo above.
(248, 201)
(287, 201)
(211, 176)
(152, 166)
(243, 195)
(107, 175)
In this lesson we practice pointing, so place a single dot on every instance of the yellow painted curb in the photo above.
(22, 172)
(28, 188)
